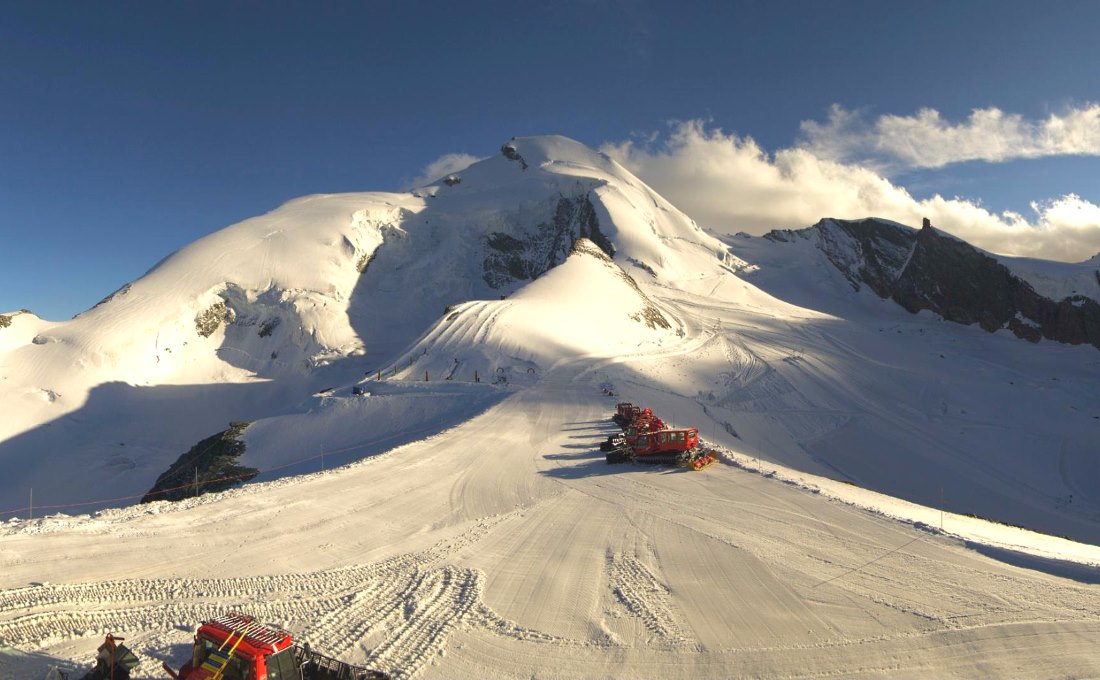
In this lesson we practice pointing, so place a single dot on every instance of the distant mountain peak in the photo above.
(870, 251)
(932, 269)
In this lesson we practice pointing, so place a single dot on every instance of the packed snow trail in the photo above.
(506, 547)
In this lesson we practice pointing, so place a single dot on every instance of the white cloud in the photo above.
(926, 140)
(729, 184)
(441, 167)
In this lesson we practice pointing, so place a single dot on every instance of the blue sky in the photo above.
(129, 130)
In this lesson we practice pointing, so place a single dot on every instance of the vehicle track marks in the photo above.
(407, 605)
(644, 596)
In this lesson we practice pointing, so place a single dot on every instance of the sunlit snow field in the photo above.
(860, 521)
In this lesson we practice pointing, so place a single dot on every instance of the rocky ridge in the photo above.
(930, 269)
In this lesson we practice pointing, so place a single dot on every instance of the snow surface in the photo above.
(1057, 280)
(478, 531)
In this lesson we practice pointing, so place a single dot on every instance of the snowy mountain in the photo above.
(931, 270)
(251, 320)
(414, 387)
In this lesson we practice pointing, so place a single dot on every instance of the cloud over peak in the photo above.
(441, 167)
(728, 183)
(927, 140)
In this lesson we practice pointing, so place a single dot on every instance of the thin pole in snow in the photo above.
(196, 481)
(941, 508)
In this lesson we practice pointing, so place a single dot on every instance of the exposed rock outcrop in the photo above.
(868, 252)
(528, 255)
(963, 284)
(509, 151)
(929, 269)
(208, 320)
(211, 465)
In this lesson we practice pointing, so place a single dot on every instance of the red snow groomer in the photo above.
(643, 423)
(237, 647)
(646, 439)
(625, 413)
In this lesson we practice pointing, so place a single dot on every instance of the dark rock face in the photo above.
(932, 270)
(868, 252)
(528, 255)
(962, 284)
(508, 150)
(959, 283)
(210, 465)
(880, 251)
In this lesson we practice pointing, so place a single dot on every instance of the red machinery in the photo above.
(645, 439)
(643, 423)
(625, 413)
(237, 647)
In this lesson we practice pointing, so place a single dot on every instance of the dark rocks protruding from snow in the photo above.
(929, 269)
(867, 252)
(118, 293)
(643, 266)
(509, 151)
(452, 180)
(932, 270)
(364, 261)
(528, 255)
(211, 465)
(208, 320)
(962, 284)
(269, 326)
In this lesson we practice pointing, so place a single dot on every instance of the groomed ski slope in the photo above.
(486, 537)
(505, 547)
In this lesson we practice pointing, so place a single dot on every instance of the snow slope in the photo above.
(505, 548)
(1057, 280)
(482, 534)
(248, 322)
(909, 405)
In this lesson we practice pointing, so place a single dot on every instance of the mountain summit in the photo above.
(329, 287)
(345, 326)
(932, 270)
